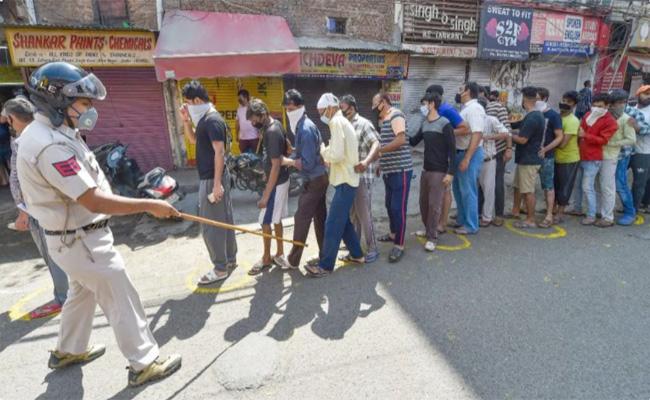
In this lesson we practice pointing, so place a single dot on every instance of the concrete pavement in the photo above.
(504, 315)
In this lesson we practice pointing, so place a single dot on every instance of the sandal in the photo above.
(512, 216)
(484, 224)
(524, 225)
(211, 277)
(442, 231)
(545, 224)
(46, 310)
(557, 220)
(498, 221)
(316, 272)
(349, 259)
(386, 238)
(258, 268)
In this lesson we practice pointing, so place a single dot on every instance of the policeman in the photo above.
(66, 191)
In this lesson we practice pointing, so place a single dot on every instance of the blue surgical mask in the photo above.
(424, 109)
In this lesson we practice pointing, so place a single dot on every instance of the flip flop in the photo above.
(524, 225)
(316, 272)
(211, 277)
(349, 259)
(258, 268)
(545, 224)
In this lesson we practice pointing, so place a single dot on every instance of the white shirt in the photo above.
(643, 141)
(493, 127)
(474, 114)
(55, 167)
(246, 130)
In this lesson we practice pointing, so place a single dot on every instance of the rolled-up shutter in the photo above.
(133, 113)
(480, 71)
(557, 78)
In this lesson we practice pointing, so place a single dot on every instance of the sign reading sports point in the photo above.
(30, 47)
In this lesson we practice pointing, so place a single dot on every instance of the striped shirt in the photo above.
(498, 110)
(367, 136)
(399, 160)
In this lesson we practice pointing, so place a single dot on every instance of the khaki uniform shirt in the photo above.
(55, 167)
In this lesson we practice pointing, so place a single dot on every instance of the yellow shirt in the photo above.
(342, 153)
(569, 153)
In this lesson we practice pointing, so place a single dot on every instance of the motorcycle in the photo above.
(247, 173)
(127, 179)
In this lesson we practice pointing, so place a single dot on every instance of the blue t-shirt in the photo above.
(553, 121)
(448, 111)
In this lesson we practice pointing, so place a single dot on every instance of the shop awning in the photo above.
(196, 44)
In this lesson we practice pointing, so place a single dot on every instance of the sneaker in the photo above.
(588, 221)
(283, 263)
(421, 234)
(155, 371)
(60, 360)
(430, 246)
(372, 256)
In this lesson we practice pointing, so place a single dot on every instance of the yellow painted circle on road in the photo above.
(16, 311)
(639, 220)
(464, 244)
(558, 232)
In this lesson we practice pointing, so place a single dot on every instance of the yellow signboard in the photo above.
(30, 47)
(223, 94)
(351, 64)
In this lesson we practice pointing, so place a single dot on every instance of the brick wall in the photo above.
(77, 12)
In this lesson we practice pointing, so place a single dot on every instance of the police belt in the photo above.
(87, 228)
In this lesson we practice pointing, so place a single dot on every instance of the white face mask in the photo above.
(595, 115)
(540, 105)
(294, 116)
(424, 109)
(197, 111)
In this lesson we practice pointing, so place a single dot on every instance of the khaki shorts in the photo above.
(525, 176)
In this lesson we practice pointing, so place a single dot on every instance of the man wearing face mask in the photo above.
(342, 154)
(274, 202)
(641, 159)
(204, 127)
(469, 160)
(553, 136)
(596, 130)
(368, 139)
(616, 156)
(66, 191)
(20, 113)
(396, 165)
(247, 135)
(306, 159)
(567, 157)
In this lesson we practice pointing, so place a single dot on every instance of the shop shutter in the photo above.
(134, 113)
(557, 78)
(312, 88)
(480, 72)
(449, 73)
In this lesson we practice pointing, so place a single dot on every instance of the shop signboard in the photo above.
(353, 64)
(505, 33)
(564, 34)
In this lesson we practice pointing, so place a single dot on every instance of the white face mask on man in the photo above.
(540, 105)
(294, 116)
(197, 111)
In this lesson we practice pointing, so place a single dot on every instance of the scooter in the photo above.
(127, 179)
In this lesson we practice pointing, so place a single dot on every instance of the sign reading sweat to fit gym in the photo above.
(31, 47)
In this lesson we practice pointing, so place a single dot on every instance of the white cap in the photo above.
(327, 100)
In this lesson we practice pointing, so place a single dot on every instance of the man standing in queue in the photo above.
(66, 191)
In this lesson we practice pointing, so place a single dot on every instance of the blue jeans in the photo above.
(465, 187)
(398, 186)
(338, 226)
(59, 278)
(590, 170)
(623, 189)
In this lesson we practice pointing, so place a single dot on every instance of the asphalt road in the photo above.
(502, 316)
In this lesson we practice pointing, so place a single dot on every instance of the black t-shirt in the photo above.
(275, 146)
(211, 128)
(553, 122)
(532, 127)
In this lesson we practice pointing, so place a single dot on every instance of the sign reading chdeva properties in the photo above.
(353, 64)
(30, 47)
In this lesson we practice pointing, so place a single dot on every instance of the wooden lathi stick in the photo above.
(194, 218)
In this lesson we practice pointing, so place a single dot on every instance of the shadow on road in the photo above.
(64, 384)
(13, 331)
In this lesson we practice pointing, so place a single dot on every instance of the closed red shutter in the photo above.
(133, 113)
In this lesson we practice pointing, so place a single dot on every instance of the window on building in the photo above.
(336, 25)
(112, 12)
